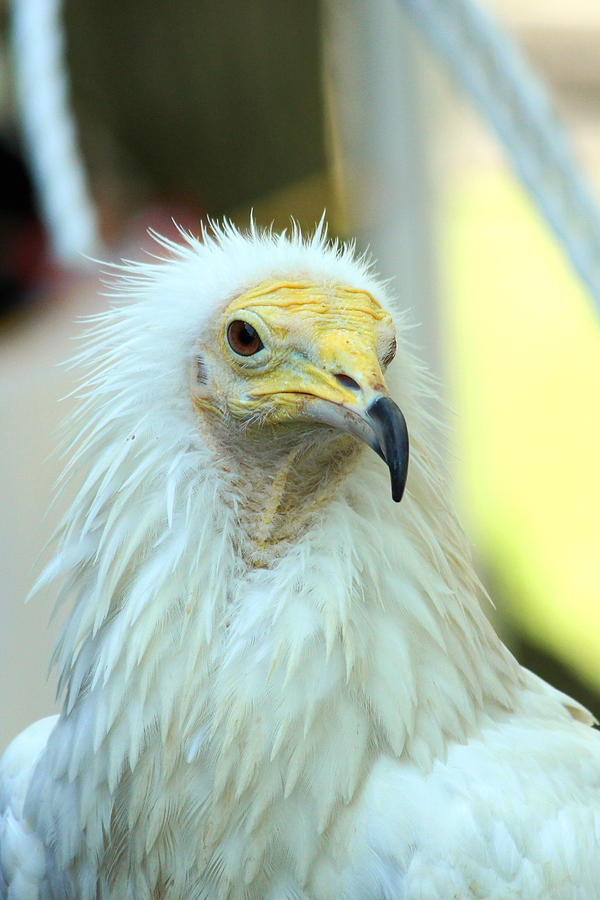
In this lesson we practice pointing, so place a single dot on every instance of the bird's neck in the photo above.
(279, 489)
(245, 685)
(338, 586)
(297, 564)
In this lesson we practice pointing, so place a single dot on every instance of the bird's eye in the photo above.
(243, 338)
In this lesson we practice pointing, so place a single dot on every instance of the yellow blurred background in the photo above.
(523, 350)
(288, 109)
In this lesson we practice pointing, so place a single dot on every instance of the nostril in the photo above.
(347, 382)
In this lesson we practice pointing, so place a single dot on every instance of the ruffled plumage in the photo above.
(338, 721)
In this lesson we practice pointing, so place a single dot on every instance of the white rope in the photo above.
(493, 73)
(48, 130)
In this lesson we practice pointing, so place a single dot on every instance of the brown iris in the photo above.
(243, 338)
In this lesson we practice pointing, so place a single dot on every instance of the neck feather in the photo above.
(166, 587)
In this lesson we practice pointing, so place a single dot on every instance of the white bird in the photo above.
(277, 682)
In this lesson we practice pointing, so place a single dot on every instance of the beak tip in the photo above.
(398, 486)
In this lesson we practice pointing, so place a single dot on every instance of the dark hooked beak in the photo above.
(389, 427)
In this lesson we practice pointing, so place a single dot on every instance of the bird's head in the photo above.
(246, 368)
(295, 352)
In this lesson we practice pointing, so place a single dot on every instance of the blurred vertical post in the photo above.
(374, 98)
(48, 130)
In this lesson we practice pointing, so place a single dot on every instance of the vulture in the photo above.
(277, 679)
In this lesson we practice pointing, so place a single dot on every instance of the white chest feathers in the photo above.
(299, 762)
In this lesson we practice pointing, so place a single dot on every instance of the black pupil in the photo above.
(246, 334)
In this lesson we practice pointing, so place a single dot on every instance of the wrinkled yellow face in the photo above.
(300, 352)
(304, 340)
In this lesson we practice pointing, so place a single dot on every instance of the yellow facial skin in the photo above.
(320, 342)
(300, 353)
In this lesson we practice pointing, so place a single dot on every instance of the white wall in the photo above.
(30, 387)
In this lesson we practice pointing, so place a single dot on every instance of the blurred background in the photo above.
(189, 108)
